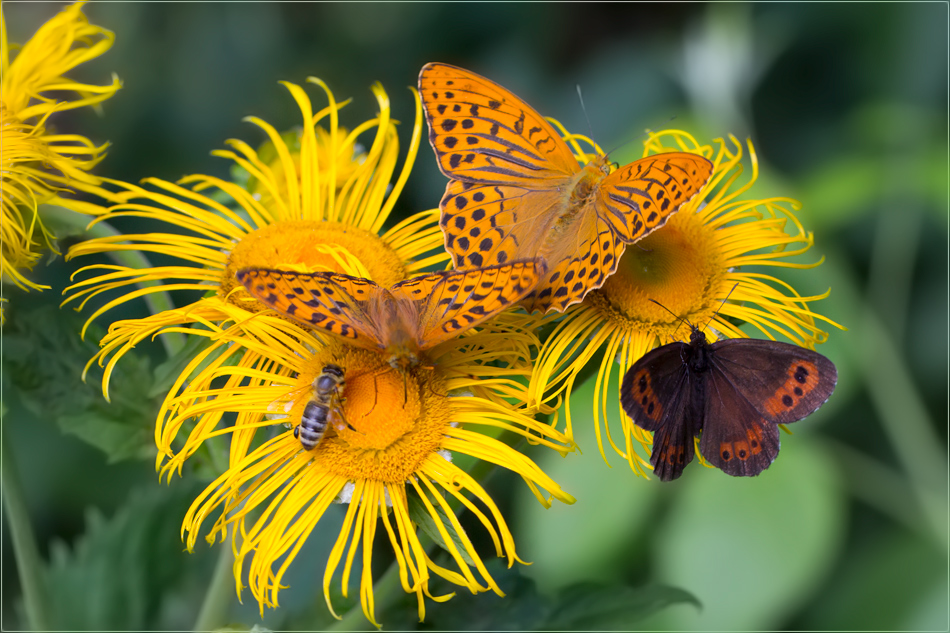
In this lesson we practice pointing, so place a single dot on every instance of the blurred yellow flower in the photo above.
(314, 202)
(690, 267)
(35, 165)
(389, 452)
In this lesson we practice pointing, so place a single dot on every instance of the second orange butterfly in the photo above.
(403, 321)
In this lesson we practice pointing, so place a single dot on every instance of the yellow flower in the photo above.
(313, 202)
(392, 451)
(36, 164)
(691, 266)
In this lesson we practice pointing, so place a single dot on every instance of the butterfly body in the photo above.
(395, 329)
(402, 322)
(733, 394)
(517, 191)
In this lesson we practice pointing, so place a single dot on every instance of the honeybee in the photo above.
(324, 408)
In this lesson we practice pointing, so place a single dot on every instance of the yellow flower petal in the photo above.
(396, 438)
(314, 204)
(37, 166)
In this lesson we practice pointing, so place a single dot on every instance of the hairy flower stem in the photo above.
(217, 601)
(29, 564)
(386, 591)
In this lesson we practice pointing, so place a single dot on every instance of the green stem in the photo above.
(897, 401)
(880, 486)
(221, 591)
(386, 592)
(69, 222)
(892, 266)
(29, 563)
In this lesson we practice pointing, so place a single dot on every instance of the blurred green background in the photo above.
(847, 107)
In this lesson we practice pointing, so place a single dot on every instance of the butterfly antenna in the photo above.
(720, 307)
(580, 97)
(676, 316)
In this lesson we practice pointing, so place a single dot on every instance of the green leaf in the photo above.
(117, 439)
(873, 589)
(117, 575)
(521, 608)
(624, 504)
(63, 223)
(752, 549)
(43, 362)
(589, 606)
(419, 514)
(168, 372)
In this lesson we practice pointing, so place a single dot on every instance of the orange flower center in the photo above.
(680, 266)
(311, 246)
(385, 421)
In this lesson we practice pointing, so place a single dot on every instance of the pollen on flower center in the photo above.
(313, 246)
(382, 406)
(679, 266)
(391, 420)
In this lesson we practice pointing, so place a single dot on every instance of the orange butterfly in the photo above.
(517, 191)
(409, 318)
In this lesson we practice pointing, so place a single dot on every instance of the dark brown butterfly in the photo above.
(732, 393)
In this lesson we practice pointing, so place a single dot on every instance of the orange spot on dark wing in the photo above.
(741, 450)
(672, 454)
(725, 451)
(644, 395)
(679, 453)
(801, 379)
(755, 439)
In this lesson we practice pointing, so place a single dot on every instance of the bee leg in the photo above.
(346, 424)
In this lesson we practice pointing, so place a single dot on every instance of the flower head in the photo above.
(388, 451)
(37, 165)
(696, 269)
(314, 201)
(382, 439)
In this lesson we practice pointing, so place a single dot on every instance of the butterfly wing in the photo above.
(518, 192)
(639, 197)
(491, 224)
(482, 133)
(580, 262)
(450, 302)
(656, 393)
(736, 437)
(326, 302)
(755, 385)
